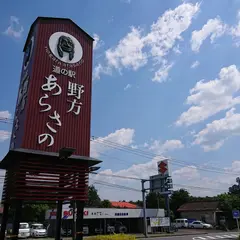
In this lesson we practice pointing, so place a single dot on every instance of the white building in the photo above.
(101, 217)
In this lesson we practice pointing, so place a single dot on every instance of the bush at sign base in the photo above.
(113, 237)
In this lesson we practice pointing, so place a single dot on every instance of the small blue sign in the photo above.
(236, 213)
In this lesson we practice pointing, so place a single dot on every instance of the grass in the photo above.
(113, 237)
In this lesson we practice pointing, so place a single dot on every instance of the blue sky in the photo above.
(166, 81)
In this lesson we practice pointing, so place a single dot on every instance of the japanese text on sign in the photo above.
(75, 90)
(74, 94)
(49, 86)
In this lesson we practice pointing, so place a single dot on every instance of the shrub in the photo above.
(112, 237)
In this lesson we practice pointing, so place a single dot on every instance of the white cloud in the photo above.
(129, 52)
(15, 29)
(97, 42)
(209, 98)
(135, 49)
(161, 74)
(169, 27)
(176, 49)
(159, 148)
(4, 135)
(216, 133)
(5, 114)
(188, 173)
(214, 28)
(123, 136)
(235, 31)
(183, 177)
(99, 69)
(127, 87)
(195, 64)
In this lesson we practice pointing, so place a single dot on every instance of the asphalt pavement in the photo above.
(210, 236)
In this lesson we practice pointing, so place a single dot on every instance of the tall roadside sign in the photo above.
(236, 215)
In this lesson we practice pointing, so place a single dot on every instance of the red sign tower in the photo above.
(49, 155)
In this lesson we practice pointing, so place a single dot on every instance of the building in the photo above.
(205, 211)
(99, 218)
(124, 205)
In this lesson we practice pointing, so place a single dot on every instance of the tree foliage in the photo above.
(106, 204)
(93, 197)
(155, 200)
(34, 212)
(177, 199)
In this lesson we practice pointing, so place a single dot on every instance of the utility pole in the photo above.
(145, 230)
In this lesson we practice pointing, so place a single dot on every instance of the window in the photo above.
(23, 226)
(40, 226)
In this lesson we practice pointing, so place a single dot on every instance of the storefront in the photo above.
(99, 220)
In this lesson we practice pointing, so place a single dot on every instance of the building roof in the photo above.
(199, 206)
(52, 18)
(123, 205)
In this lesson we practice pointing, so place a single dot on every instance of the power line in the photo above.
(117, 176)
(149, 155)
(180, 185)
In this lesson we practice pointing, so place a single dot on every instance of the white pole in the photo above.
(237, 224)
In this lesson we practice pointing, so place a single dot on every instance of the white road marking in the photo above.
(229, 236)
(221, 236)
(217, 237)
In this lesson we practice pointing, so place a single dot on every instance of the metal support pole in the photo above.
(145, 231)
(79, 222)
(74, 221)
(237, 224)
(17, 219)
(58, 220)
(4, 220)
(168, 210)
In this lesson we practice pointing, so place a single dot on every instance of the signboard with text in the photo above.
(160, 222)
(54, 101)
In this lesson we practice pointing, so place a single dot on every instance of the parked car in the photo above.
(38, 230)
(24, 230)
(181, 223)
(200, 224)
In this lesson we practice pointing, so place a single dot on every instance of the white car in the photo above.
(24, 230)
(38, 230)
(200, 224)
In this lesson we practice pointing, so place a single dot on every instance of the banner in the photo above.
(160, 222)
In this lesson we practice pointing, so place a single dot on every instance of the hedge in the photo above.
(112, 237)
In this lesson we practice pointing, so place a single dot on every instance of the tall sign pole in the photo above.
(236, 215)
(145, 230)
(162, 183)
(52, 122)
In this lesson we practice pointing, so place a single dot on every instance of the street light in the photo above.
(94, 169)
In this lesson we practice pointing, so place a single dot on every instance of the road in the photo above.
(210, 236)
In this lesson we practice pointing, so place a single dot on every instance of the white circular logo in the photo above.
(65, 47)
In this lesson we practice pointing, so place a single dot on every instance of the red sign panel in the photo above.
(54, 103)
(163, 167)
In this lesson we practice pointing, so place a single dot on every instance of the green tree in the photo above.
(155, 200)
(177, 199)
(34, 212)
(138, 203)
(106, 204)
(93, 197)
